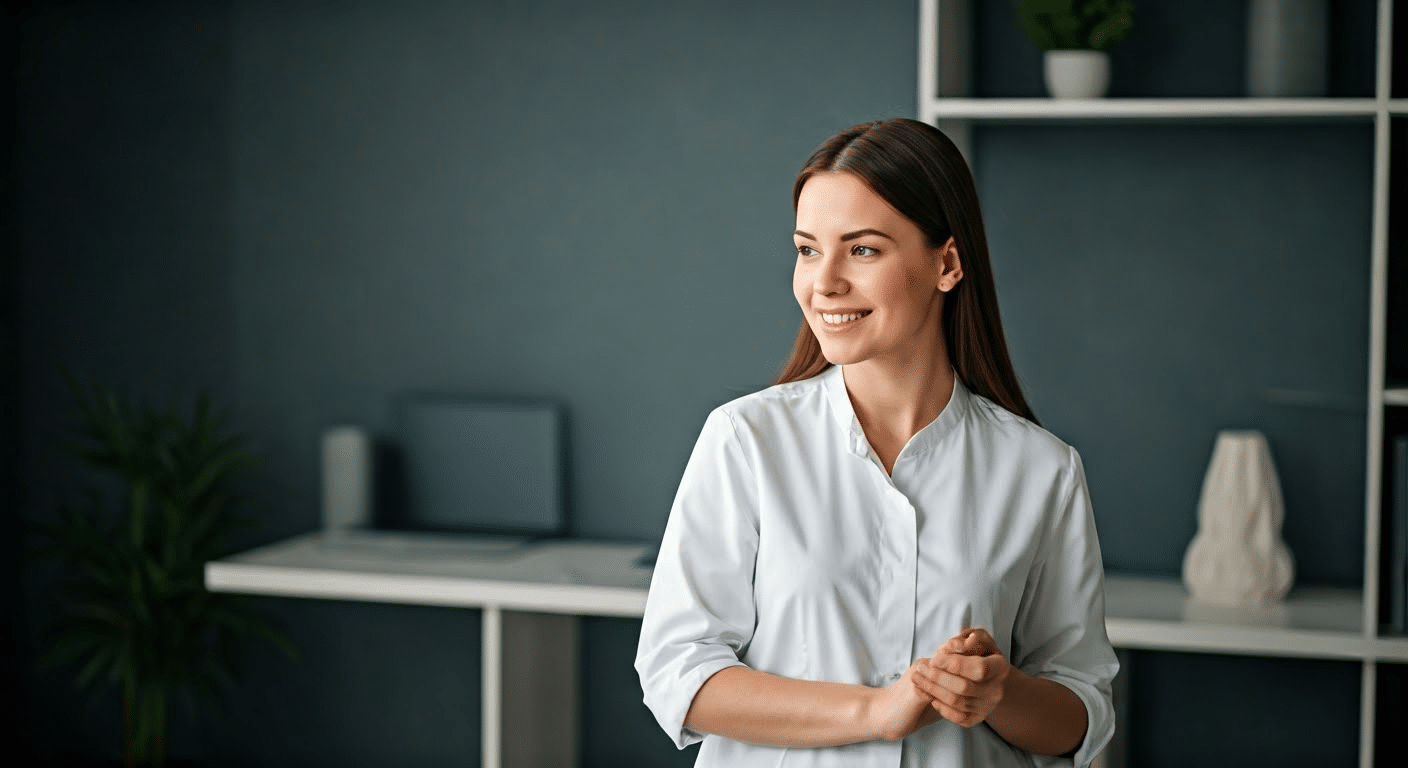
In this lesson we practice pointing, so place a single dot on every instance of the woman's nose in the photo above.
(829, 278)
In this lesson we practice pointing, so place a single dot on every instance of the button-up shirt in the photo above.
(791, 550)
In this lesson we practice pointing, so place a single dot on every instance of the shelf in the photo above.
(950, 108)
(1313, 622)
(1396, 396)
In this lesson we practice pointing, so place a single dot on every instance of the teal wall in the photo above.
(311, 207)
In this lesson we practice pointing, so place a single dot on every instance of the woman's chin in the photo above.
(837, 356)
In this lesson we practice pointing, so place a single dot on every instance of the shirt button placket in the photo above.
(897, 599)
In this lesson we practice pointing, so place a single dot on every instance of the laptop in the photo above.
(469, 475)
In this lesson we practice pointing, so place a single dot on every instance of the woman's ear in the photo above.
(950, 267)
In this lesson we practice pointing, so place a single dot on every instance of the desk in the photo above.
(531, 595)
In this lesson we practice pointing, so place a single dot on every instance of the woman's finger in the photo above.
(965, 719)
(933, 680)
(972, 668)
(978, 641)
(947, 697)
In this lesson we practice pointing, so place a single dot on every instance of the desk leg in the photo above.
(492, 673)
(531, 689)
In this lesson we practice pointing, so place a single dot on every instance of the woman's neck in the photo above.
(893, 400)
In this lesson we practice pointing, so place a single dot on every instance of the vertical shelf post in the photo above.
(1378, 331)
(945, 64)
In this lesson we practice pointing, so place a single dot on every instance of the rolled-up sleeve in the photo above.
(1060, 629)
(700, 614)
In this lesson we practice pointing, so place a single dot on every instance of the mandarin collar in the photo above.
(923, 440)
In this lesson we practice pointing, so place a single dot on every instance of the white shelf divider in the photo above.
(1156, 613)
(948, 108)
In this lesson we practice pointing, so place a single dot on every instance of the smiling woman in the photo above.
(884, 550)
(916, 172)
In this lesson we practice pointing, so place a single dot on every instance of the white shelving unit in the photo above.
(1155, 614)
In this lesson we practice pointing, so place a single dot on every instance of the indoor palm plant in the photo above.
(132, 610)
(1076, 36)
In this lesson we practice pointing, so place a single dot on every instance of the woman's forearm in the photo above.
(1039, 715)
(760, 708)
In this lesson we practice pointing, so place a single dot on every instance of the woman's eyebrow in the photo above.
(848, 235)
(863, 233)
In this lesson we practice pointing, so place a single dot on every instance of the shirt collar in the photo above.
(923, 440)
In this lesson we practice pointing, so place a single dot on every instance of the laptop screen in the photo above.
(481, 465)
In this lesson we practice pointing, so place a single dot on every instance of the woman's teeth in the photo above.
(838, 319)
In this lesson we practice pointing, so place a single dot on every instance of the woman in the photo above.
(883, 560)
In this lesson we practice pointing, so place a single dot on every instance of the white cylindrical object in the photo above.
(1286, 48)
(1238, 557)
(1077, 74)
(347, 471)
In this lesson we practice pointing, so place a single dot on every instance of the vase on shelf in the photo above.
(1286, 44)
(1237, 557)
(1077, 74)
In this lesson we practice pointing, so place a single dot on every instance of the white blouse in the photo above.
(791, 550)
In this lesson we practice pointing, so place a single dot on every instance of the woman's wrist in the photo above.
(871, 712)
(1039, 715)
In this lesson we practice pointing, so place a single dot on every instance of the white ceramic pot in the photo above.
(1237, 558)
(1077, 74)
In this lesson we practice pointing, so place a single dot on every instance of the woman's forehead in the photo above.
(837, 201)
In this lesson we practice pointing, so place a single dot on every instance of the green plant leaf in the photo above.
(100, 612)
(1075, 24)
(101, 659)
(68, 648)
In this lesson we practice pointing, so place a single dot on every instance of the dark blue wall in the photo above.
(309, 208)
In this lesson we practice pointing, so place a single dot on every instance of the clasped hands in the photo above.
(963, 683)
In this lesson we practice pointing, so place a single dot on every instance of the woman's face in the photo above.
(867, 283)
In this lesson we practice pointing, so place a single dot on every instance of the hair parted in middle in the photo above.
(915, 168)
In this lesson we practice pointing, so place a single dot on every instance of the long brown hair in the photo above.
(919, 171)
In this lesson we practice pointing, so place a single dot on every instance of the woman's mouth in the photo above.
(840, 320)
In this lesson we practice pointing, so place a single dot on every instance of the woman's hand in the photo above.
(966, 679)
(901, 708)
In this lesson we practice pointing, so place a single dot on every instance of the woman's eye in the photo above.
(805, 250)
(864, 250)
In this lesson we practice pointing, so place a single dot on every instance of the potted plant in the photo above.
(1076, 36)
(131, 606)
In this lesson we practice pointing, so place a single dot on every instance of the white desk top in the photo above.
(565, 576)
(586, 577)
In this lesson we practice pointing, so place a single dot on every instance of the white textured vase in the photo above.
(1077, 74)
(1237, 556)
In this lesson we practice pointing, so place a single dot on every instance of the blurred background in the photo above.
(308, 208)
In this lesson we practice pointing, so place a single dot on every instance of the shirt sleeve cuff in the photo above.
(671, 707)
(1099, 721)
